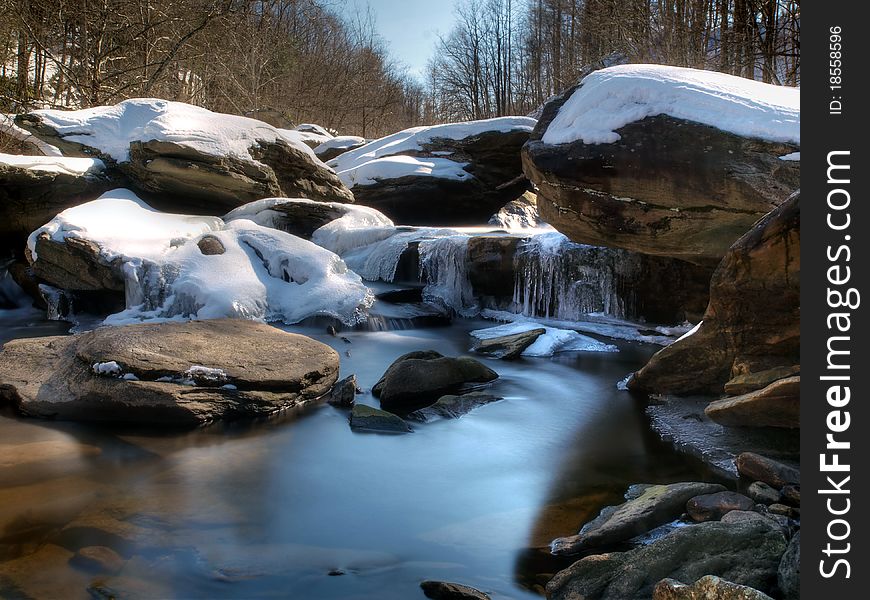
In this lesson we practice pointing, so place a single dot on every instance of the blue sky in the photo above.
(411, 27)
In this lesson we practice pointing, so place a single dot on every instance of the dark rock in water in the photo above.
(772, 472)
(681, 421)
(369, 418)
(508, 347)
(762, 493)
(743, 553)
(453, 407)
(442, 590)
(209, 245)
(30, 198)
(750, 382)
(175, 374)
(777, 405)
(744, 516)
(791, 495)
(418, 379)
(667, 186)
(712, 507)
(100, 559)
(708, 587)
(789, 575)
(752, 323)
(492, 265)
(646, 507)
(493, 176)
(343, 393)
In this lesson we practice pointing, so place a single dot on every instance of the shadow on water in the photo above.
(299, 505)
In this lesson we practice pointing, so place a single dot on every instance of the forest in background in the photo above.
(315, 61)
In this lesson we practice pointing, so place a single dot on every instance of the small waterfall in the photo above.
(11, 295)
(444, 267)
(61, 306)
(558, 279)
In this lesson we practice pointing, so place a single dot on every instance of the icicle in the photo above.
(443, 263)
(60, 304)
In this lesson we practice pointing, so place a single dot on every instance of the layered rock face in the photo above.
(455, 174)
(182, 156)
(661, 183)
(752, 323)
(174, 374)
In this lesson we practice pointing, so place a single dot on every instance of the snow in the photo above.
(207, 374)
(793, 156)
(313, 128)
(552, 341)
(8, 127)
(53, 164)
(340, 142)
(301, 140)
(370, 163)
(395, 167)
(107, 368)
(124, 225)
(111, 129)
(691, 332)
(614, 97)
(263, 274)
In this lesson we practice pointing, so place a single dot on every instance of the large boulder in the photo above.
(662, 160)
(646, 507)
(334, 147)
(173, 265)
(175, 374)
(777, 405)
(188, 157)
(752, 322)
(709, 587)
(746, 553)
(35, 188)
(453, 174)
(419, 379)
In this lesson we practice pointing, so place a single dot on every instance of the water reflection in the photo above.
(301, 506)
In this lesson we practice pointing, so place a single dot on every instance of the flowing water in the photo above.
(300, 506)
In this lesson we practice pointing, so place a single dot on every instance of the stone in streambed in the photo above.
(508, 347)
(100, 559)
(750, 382)
(443, 590)
(791, 495)
(789, 574)
(343, 393)
(453, 407)
(712, 507)
(762, 493)
(646, 507)
(369, 418)
(709, 587)
(777, 405)
(772, 472)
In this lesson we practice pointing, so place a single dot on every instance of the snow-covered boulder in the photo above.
(309, 134)
(171, 374)
(186, 156)
(338, 145)
(452, 174)
(664, 160)
(35, 188)
(173, 266)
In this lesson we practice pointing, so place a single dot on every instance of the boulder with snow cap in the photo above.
(188, 157)
(452, 174)
(664, 160)
(173, 374)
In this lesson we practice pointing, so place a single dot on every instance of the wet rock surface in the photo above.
(709, 587)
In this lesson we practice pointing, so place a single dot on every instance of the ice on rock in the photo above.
(611, 98)
(111, 129)
(553, 340)
(262, 274)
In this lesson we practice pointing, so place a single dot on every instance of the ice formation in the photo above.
(54, 164)
(614, 97)
(262, 274)
(552, 341)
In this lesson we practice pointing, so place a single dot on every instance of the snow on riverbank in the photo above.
(614, 97)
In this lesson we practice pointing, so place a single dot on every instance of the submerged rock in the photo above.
(777, 405)
(100, 559)
(752, 322)
(453, 407)
(744, 553)
(369, 418)
(708, 587)
(452, 174)
(176, 374)
(646, 507)
(419, 378)
(443, 590)
(343, 393)
(761, 468)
